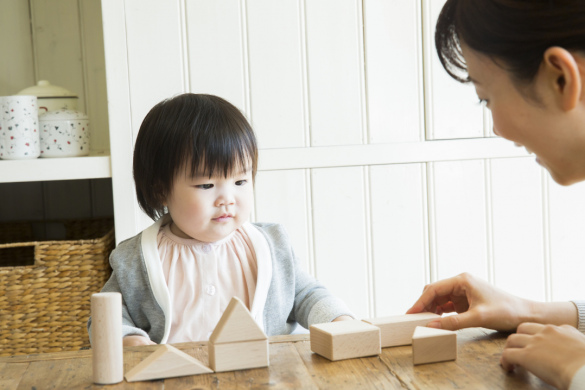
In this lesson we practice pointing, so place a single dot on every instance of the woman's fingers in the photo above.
(518, 340)
(530, 328)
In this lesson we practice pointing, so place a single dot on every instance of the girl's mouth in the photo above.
(223, 218)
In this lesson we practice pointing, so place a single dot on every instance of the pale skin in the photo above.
(546, 341)
(208, 209)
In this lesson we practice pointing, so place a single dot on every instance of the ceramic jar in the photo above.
(51, 97)
(64, 133)
(19, 129)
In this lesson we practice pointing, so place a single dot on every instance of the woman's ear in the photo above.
(563, 75)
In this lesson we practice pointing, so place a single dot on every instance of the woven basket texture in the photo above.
(46, 286)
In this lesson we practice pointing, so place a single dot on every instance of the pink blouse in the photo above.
(203, 277)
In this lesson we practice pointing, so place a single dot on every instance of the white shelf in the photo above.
(95, 166)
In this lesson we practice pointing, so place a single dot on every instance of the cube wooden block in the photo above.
(433, 345)
(238, 355)
(345, 339)
(398, 330)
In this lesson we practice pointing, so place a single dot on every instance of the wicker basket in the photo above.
(45, 286)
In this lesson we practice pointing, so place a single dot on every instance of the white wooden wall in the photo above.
(383, 169)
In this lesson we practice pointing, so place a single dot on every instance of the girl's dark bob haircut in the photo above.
(190, 134)
(514, 33)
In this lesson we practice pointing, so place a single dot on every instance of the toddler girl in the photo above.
(195, 160)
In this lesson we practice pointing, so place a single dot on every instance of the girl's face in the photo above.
(555, 135)
(209, 209)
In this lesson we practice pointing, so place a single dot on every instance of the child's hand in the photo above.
(342, 318)
(134, 341)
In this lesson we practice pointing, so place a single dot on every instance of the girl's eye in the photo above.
(241, 182)
(204, 186)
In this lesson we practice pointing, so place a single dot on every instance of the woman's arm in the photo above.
(480, 304)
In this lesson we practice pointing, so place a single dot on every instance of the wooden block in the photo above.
(166, 362)
(107, 348)
(237, 342)
(345, 339)
(238, 356)
(236, 324)
(398, 330)
(431, 345)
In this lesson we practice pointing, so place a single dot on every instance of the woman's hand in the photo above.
(134, 340)
(478, 302)
(552, 353)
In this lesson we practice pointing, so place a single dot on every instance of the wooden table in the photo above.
(292, 365)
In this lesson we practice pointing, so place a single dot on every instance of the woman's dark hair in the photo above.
(201, 134)
(514, 33)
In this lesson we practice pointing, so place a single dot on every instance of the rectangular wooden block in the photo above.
(239, 355)
(345, 339)
(398, 330)
(433, 345)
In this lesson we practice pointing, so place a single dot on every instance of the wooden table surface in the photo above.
(293, 366)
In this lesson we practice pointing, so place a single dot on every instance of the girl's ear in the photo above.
(563, 75)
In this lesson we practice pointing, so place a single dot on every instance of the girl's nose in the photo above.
(224, 200)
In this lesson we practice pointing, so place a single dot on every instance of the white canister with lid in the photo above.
(64, 133)
(51, 97)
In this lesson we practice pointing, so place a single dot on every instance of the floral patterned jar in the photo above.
(64, 133)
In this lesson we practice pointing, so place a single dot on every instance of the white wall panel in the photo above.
(394, 87)
(282, 197)
(216, 42)
(399, 236)
(57, 45)
(16, 61)
(458, 218)
(335, 71)
(154, 55)
(517, 216)
(567, 240)
(90, 12)
(452, 109)
(277, 72)
(340, 235)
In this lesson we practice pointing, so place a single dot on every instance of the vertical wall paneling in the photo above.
(452, 109)
(517, 214)
(491, 271)
(126, 207)
(16, 61)
(281, 198)
(399, 236)
(335, 52)
(340, 234)
(94, 66)
(276, 73)
(155, 70)
(213, 25)
(393, 70)
(57, 45)
(567, 246)
(458, 194)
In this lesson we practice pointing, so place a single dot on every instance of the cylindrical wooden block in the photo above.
(106, 332)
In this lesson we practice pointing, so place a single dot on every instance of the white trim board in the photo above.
(381, 154)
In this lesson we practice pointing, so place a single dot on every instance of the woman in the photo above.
(526, 59)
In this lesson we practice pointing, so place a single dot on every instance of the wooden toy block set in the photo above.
(238, 343)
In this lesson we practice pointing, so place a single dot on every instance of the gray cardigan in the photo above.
(293, 295)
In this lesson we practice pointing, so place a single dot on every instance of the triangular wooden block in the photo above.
(236, 324)
(166, 362)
